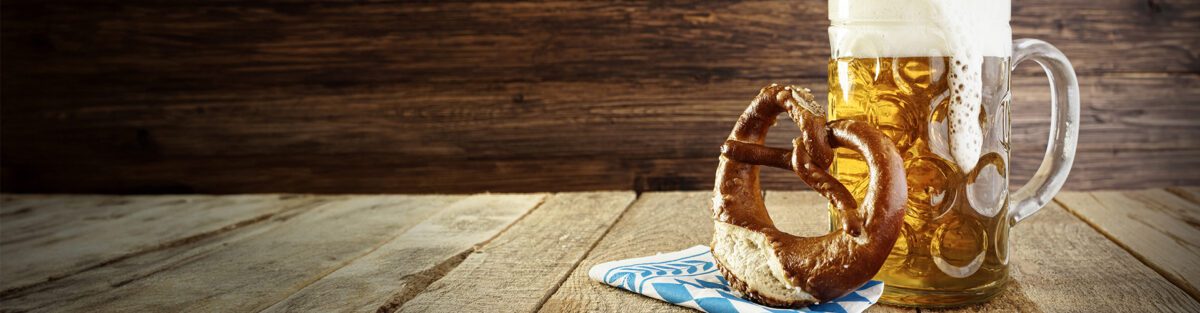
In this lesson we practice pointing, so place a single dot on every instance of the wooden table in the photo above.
(1087, 251)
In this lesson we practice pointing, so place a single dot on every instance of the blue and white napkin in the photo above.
(690, 278)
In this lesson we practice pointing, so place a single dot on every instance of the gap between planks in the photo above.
(392, 273)
(1190, 193)
(435, 273)
(542, 250)
(159, 247)
(1136, 247)
(445, 267)
(592, 246)
(245, 273)
(1103, 274)
(155, 205)
(622, 217)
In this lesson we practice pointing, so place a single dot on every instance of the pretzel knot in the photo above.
(776, 268)
(811, 154)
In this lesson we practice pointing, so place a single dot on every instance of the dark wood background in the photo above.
(146, 96)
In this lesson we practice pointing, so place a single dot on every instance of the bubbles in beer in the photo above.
(966, 135)
(935, 74)
(953, 210)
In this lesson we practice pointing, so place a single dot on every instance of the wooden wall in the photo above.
(232, 96)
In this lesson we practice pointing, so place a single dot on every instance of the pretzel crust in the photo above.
(803, 270)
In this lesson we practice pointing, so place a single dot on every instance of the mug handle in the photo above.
(1064, 127)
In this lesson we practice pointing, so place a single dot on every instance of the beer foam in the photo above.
(906, 28)
(964, 30)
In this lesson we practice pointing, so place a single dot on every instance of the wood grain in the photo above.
(337, 96)
(394, 271)
(51, 295)
(49, 238)
(377, 253)
(657, 222)
(519, 270)
(806, 213)
(664, 222)
(258, 271)
(327, 43)
(616, 142)
(1190, 193)
(1158, 227)
(1059, 263)
(1052, 250)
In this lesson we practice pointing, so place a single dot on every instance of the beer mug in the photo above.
(934, 76)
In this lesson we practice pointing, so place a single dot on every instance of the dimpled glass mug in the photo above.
(934, 76)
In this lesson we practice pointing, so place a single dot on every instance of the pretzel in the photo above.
(778, 269)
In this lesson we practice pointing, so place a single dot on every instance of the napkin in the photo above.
(690, 278)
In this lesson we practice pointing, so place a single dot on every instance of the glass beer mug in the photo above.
(934, 76)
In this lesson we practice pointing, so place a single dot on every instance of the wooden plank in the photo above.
(391, 119)
(395, 271)
(197, 45)
(1158, 227)
(257, 271)
(167, 96)
(16, 206)
(664, 222)
(641, 136)
(806, 213)
(517, 271)
(801, 213)
(1190, 193)
(49, 295)
(35, 212)
(1059, 263)
(656, 222)
(1099, 274)
(46, 238)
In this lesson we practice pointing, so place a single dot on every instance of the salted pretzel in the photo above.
(775, 268)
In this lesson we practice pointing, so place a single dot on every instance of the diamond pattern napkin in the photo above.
(690, 278)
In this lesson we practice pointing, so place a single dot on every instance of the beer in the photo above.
(954, 236)
(934, 76)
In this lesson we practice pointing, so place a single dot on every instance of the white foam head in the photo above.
(966, 31)
(900, 28)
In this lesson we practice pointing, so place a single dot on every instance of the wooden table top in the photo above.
(1087, 251)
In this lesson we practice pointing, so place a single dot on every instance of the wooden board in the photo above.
(390, 43)
(51, 295)
(806, 213)
(391, 273)
(1059, 263)
(1048, 252)
(636, 141)
(1157, 226)
(664, 222)
(656, 222)
(47, 238)
(519, 270)
(336, 96)
(436, 253)
(257, 271)
(1190, 193)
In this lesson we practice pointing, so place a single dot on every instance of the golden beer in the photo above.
(952, 248)
(934, 76)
